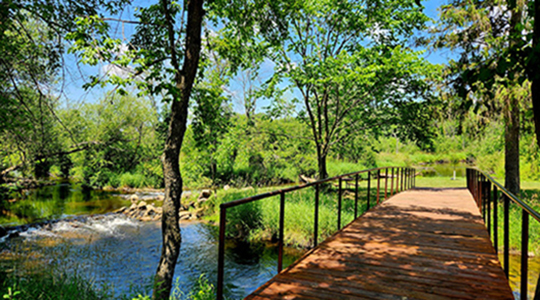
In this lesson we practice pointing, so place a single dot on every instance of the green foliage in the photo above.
(264, 152)
(127, 146)
(260, 218)
(51, 286)
(203, 290)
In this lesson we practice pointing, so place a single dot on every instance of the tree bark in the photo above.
(183, 80)
(534, 66)
(321, 159)
(511, 149)
(511, 135)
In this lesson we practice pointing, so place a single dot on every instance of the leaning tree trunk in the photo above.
(511, 149)
(183, 80)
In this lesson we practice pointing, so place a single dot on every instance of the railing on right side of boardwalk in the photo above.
(401, 179)
(485, 191)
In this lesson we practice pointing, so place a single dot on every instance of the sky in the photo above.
(76, 74)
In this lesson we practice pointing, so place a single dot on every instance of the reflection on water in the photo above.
(123, 252)
(515, 271)
(57, 201)
(443, 170)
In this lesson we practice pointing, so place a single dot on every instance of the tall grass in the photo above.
(259, 220)
(52, 286)
(531, 197)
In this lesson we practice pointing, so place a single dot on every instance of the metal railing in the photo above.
(401, 179)
(485, 191)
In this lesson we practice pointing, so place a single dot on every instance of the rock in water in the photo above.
(205, 194)
(134, 198)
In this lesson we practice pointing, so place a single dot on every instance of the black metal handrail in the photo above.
(480, 185)
(404, 179)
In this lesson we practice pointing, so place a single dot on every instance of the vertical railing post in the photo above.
(467, 178)
(339, 206)
(356, 197)
(506, 233)
(385, 184)
(397, 181)
(378, 185)
(221, 251)
(316, 218)
(488, 191)
(475, 196)
(495, 219)
(481, 197)
(414, 178)
(281, 225)
(484, 197)
(392, 183)
(368, 188)
(409, 179)
(478, 182)
(401, 179)
(406, 178)
(524, 253)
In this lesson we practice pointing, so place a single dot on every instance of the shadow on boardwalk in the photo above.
(420, 244)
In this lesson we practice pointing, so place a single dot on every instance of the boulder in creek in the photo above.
(205, 194)
(134, 198)
(121, 210)
(184, 215)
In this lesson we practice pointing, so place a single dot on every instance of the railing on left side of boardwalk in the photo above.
(401, 178)
(488, 193)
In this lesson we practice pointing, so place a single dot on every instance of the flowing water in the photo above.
(58, 201)
(115, 250)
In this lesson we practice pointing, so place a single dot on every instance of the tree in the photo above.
(347, 61)
(533, 64)
(169, 59)
(32, 45)
(211, 110)
(489, 36)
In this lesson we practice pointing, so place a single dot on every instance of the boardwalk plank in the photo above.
(420, 244)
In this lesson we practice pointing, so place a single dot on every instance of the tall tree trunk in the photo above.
(534, 66)
(184, 80)
(511, 149)
(511, 135)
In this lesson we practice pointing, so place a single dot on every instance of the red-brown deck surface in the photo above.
(420, 244)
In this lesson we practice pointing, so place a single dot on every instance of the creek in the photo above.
(123, 253)
(120, 252)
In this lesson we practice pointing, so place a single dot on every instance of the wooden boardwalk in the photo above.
(420, 244)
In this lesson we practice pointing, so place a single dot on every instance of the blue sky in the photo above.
(77, 74)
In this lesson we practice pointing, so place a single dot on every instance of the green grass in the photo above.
(49, 286)
(259, 220)
(531, 197)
